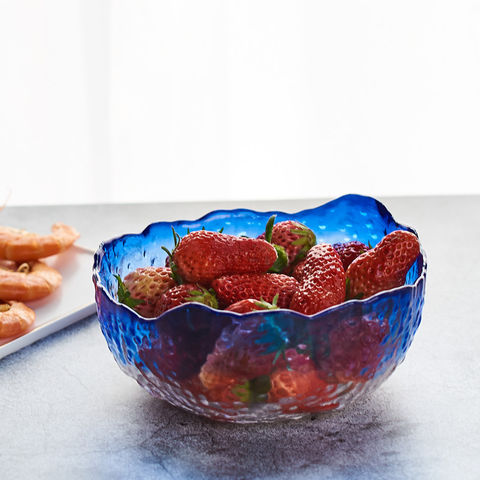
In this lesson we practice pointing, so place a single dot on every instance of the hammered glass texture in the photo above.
(355, 346)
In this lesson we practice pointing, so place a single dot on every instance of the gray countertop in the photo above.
(67, 411)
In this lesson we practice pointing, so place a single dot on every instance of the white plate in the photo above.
(74, 300)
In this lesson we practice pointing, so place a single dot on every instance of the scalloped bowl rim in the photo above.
(98, 283)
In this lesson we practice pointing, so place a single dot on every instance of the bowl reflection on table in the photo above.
(264, 365)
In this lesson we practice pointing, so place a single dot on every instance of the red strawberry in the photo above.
(299, 381)
(202, 256)
(185, 293)
(349, 251)
(351, 350)
(383, 267)
(295, 238)
(242, 353)
(251, 305)
(215, 377)
(259, 286)
(323, 281)
(148, 284)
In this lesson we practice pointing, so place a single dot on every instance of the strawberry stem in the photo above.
(282, 260)
(306, 239)
(176, 238)
(263, 304)
(242, 391)
(202, 295)
(275, 299)
(124, 295)
(176, 277)
(173, 267)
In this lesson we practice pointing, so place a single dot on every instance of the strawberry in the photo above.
(383, 267)
(244, 352)
(294, 237)
(290, 383)
(349, 251)
(185, 293)
(251, 305)
(349, 350)
(216, 377)
(202, 256)
(144, 287)
(323, 281)
(233, 288)
(299, 380)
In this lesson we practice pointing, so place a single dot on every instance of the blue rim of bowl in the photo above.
(99, 254)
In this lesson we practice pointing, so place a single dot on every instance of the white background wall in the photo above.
(127, 101)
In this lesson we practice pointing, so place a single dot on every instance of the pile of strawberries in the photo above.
(282, 268)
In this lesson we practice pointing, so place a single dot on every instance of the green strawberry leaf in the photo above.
(307, 237)
(282, 260)
(253, 391)
(269, 228)
(242, 391)
(265, 305)
(176, 277)
(124, 295)
(302, 253)
(273, 336)
(202, 295)
(277, 356)
(176, 238)
(306, 240)
(275, 300)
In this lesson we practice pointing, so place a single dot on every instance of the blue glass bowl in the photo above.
(299, 364)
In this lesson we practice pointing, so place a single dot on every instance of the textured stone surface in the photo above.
(67, 411)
